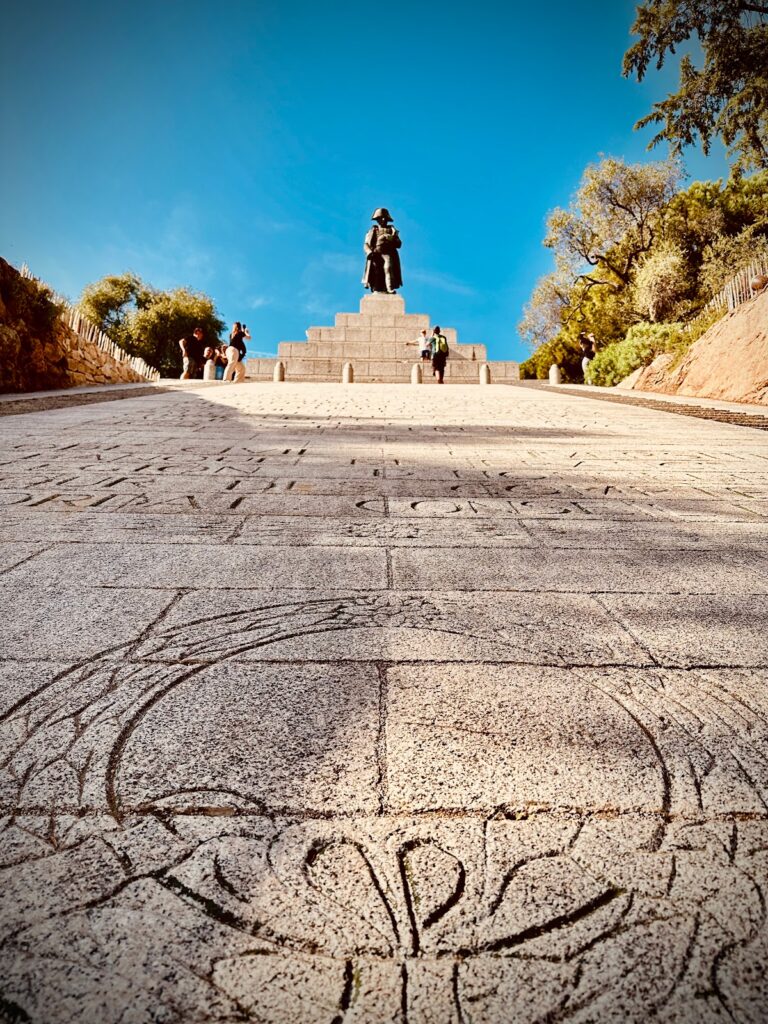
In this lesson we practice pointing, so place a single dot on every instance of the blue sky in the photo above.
(239, 147)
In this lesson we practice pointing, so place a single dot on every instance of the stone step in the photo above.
(382, 342)
(414, 322)
(366, 350)
(374, 335)
(386, 370)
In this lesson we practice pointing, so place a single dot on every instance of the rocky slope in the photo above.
(729, 362)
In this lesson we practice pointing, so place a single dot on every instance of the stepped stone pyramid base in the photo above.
(382, 344)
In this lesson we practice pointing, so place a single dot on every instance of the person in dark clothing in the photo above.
(587, 345)
(439, 347)
(236, 352)
(192, 349)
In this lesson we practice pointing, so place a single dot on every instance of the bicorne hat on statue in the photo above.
(381, 212)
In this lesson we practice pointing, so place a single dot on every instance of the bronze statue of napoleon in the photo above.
(382, 263)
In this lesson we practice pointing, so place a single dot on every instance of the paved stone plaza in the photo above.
(382, 704)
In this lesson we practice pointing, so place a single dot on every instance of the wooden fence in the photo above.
(91, 334)
(738, 289)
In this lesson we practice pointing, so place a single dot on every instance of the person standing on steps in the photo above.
(439, 348)
(236, 352)
(426, 351)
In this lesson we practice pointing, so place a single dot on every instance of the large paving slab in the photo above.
(376, 703)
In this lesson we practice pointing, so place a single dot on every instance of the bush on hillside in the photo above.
(643, 343)
(147, 321)
(640, 347)
(27, 303)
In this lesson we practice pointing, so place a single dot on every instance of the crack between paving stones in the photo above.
(27, 558)
(346, 588)
(507, 811)
(614, 617)
(382, 786)
(635, 666)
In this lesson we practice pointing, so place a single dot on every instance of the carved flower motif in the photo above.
(453, 922)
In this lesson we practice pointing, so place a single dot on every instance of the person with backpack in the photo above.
(439, 347)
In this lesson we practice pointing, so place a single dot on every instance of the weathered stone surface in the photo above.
(213, 567)
(378, 704)
(729, 361)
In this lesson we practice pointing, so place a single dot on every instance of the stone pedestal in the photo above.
(381, 342)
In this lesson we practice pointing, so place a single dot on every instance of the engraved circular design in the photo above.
(382, 915)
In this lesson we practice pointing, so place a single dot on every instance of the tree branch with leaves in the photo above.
(727, 95)
(613, 220)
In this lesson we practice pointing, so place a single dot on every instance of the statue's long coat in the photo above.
(373, 276)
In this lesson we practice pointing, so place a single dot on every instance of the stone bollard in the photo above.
(554, 374)
(416, 376)
(347, 374)
(279, 374)
(485, 373)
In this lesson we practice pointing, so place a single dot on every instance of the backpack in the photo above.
(442, 344)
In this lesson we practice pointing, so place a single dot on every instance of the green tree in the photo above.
(157, 327)
(708, 209)
(614, 218)
(661, 281)
(546, 309)
(109, 302)
(558, 350)
(727, 96)
(146, 321)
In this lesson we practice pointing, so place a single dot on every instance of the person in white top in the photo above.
(426, 351)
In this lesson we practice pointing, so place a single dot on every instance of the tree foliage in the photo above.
(613, 219)
(148, 322)
(696, 241)
(661, 281)
(545, 310)
(560, 351)
(727, 95)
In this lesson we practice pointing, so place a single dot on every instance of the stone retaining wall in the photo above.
(40, 350)
(88, 363)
